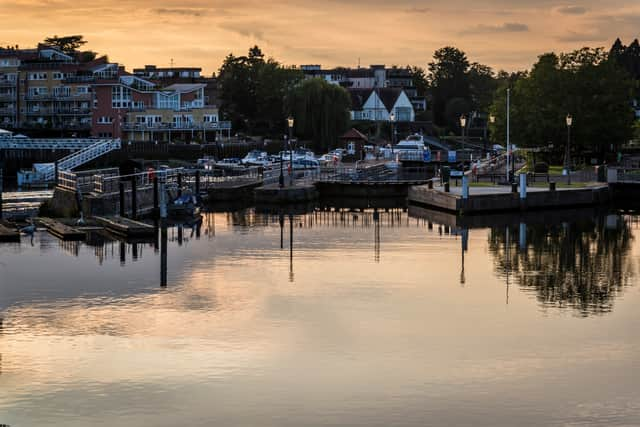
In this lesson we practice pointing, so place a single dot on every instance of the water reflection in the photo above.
(579, 264)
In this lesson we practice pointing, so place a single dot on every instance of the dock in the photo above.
(126, 227)
(8, 234)
(501, 198)
(62, 231)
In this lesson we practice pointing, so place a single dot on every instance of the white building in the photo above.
(379, 104)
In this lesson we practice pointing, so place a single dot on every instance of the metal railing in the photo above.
(144, 127)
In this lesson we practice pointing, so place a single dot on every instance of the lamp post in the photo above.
(392, 119)
(290, 122)
(492, 120)
(284, 147)
(567, 154)
(463, 125)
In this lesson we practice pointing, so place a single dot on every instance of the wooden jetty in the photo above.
(126, 227)
(62, 231)
(8, 234)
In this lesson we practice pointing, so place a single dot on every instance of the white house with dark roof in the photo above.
(379, 104)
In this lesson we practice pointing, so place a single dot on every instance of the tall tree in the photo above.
(321, 112)
(67, 44)
(448, 79)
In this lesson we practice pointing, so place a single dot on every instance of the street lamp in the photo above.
(567, 154)
(290, 122)
(463, 125)
(392, 119)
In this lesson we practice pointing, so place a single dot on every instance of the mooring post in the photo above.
(134, 197)
(163, 203)
(179, 185)
(55, 173)
(163, 253)
(523, 186)
(122, 207)
(156, 197)
(197, 183)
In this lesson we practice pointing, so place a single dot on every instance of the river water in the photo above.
(328, 318)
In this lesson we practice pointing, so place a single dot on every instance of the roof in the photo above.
(185, 87)
(354, 134)
(389, 96)
(358, 98)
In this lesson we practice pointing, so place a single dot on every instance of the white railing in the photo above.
(81, 157)
(47, 144)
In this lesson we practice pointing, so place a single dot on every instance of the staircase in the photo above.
(85, 155)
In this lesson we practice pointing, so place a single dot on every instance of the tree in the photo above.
(583, 83)
(448, 79)
(67, 44)
(253, 91)
(420, 80)
(321, 111)
(482, 85)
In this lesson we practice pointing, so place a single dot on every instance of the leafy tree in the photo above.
(67, 44)
(448, 79)
(420, 80)
(253, 91)
(482, 85)
(583, 83)
(321, 112)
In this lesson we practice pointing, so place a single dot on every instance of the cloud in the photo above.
(572, 10)
(418, 10)
(180, 11)
(246, 29)
(575, 37)
(507, 27)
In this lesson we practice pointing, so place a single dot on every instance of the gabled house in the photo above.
(379, 104)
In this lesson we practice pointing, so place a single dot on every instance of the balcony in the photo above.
(72, 111)
(7, 111)
(43, 111)
(159, 127)
(76, 97)
(7, 97)
(7, 83)
(39, 97)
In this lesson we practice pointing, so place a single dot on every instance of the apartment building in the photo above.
(10, 60)
(133, 108)
(376, 76)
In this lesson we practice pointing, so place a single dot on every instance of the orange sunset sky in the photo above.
(500, 33)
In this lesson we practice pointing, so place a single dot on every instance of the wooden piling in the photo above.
(156, 197)
(122, 207)
(197, 183)
(179, 185)
(134, 198)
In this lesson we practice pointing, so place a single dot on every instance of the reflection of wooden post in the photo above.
(1, 172)
(179, 185)
(197, 183)
(163, 254)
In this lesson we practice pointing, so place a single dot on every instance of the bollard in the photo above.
(523, 186)
(134, 198)
(163, 202)
(197, 183)
(430, 185)
(514, 187)
(121, 188)
(156, 197)
(446, 187)
(179, 185)
(552, 186)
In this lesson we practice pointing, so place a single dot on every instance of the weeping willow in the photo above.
(321, 112)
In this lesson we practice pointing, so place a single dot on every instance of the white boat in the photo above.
(256, 158)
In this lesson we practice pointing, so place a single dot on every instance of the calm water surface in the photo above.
(402, 319)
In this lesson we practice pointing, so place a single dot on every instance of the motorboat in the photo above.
(256, 158)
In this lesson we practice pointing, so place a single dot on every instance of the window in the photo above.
(37, 76)
(120, 97)
(81, 90)
(38, 91)
(62, 91)
(105, 120)
(210, 118)
(58, 76)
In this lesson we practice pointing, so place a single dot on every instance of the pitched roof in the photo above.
(354, 134)
(389, 96)
(358, 98)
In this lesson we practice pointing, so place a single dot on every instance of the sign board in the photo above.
(426, 156)
(456, 173)
(451, 156)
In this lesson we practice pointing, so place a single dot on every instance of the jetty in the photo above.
(61, 231)
(126, 227)
(8, 234)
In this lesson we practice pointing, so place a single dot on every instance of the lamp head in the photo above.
(290, 121)
(569, 120)
(463, 121)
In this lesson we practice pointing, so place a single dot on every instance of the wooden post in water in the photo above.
(55, 173)
(163, 253)
(179, 185)
(122, 207)
(134, 197)
(156, 197)
(197, 184)
(1, 172)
